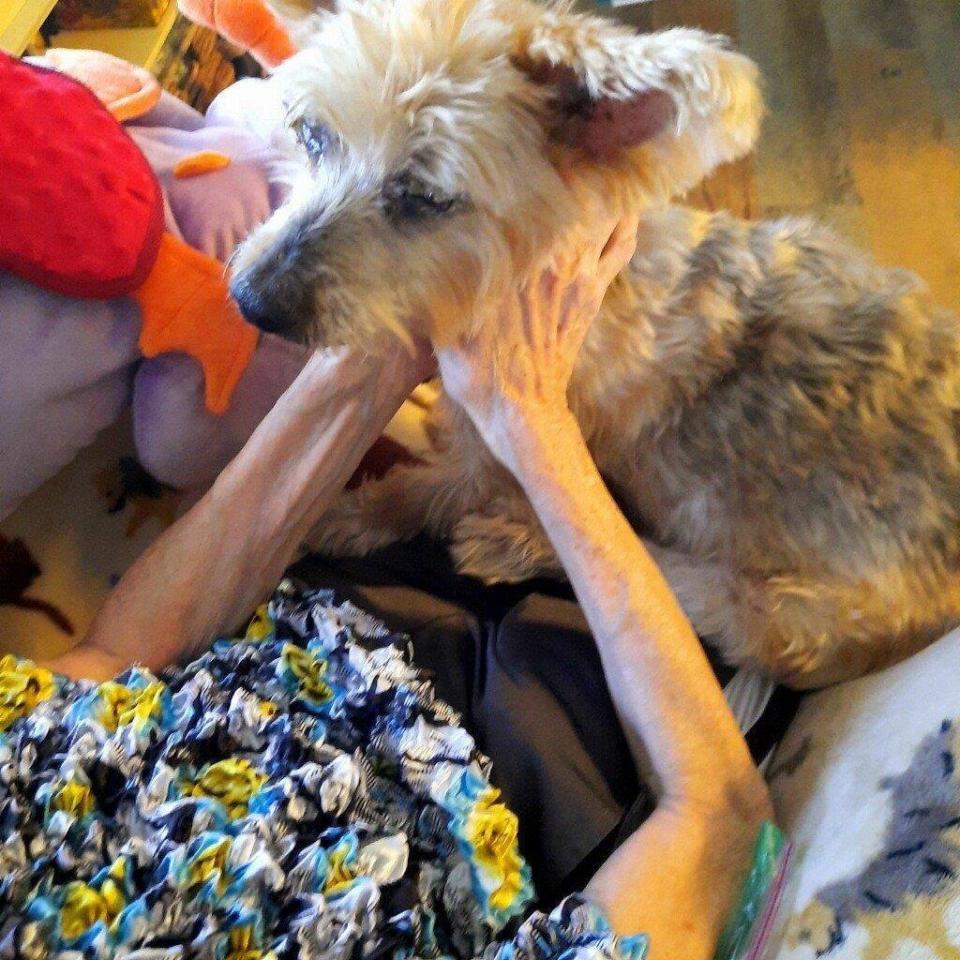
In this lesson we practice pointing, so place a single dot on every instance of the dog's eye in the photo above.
(414, 206)
(313, 136)
(407, 201)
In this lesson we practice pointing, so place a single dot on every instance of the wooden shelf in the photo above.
(20, 20)
(137, 45)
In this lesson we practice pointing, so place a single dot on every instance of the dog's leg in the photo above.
(793, 631)
(503, 547)
(508, 545)
(788, 634)
(806, 634)
(403, 503)
(810, 634)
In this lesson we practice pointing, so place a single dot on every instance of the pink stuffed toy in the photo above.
(69, 362)
(71, 366)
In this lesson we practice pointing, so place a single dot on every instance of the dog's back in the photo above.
(796, 422)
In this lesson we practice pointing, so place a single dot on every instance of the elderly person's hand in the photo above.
(518, 362)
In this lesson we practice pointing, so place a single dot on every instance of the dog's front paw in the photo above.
(350, 529)
(500, 550)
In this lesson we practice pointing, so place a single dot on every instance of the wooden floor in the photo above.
(863, 125)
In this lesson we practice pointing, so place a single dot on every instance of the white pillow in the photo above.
(867, 787)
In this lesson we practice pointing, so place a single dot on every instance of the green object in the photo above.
(760, 891)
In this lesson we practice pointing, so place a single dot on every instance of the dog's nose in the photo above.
(265, 313)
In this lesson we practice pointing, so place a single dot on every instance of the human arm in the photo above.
(678, 876)
(217, 561)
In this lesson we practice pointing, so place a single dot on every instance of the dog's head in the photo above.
(441, 144)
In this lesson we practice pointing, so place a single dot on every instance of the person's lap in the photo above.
(520, 664)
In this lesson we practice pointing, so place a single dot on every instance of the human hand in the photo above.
(390, 374)
(87, 661)
(513, 370)
(407, 365)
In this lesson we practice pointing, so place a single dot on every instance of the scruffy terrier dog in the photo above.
(776, 413)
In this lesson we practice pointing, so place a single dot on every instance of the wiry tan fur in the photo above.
(776, 413)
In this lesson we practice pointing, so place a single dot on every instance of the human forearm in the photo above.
(217, 561)
(711, 799)
(671, 705)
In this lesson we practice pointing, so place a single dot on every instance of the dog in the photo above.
(777, 415)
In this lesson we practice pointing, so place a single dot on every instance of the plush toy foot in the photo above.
(126, 91)
(66, 367)
(249, 24)
(182, 444)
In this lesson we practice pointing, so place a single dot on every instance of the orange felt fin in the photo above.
(206, 161)
(186, 307)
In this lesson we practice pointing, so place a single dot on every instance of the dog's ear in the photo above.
(682, 95)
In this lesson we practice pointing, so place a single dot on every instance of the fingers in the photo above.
(617, 251)
(576, 312)
(528, 308)
(600, 250)
(549, 282)
(559, 297)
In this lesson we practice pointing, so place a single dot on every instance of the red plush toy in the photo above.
(80, 208)
(81, 213)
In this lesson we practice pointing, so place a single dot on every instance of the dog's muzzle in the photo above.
(273, 305)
